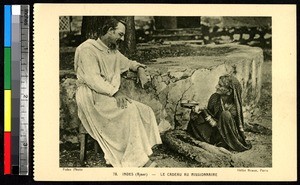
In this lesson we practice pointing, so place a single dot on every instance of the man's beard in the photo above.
(114, 46)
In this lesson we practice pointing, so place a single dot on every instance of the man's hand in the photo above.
(121, 100)
(141, 76)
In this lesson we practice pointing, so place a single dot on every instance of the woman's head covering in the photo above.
(232, 83)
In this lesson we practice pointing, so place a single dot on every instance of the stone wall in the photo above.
(174, 79)
(258, 36)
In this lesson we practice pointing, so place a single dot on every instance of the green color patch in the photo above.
(7, 68)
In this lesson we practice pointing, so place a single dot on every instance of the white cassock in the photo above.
(127, 135)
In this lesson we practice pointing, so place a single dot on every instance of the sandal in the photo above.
(151, 164)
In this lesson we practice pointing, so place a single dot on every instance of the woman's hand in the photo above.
(121, 100)
(197, 109)
(212, 122)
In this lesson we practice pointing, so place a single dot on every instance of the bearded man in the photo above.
(126, 130)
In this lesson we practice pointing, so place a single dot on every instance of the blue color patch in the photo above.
(7, 26)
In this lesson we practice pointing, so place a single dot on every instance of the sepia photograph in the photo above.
(190, 93)
(165, 91)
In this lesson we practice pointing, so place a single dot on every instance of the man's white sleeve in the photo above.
(129, 64)
(88, 69)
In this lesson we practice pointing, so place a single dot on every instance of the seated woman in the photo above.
(222, 123)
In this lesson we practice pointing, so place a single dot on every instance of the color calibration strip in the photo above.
(16, 87)
(7, 89)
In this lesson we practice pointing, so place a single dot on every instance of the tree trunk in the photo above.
(128, 47)
(205, 154)
(91, 26)
(130, 36)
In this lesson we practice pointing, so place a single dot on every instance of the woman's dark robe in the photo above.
(228, 132)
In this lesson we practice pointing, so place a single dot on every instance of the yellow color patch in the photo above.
(7, 110)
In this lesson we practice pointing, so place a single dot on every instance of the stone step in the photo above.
(178, 31)
(177, 34)
(184, 42)
(173, 37)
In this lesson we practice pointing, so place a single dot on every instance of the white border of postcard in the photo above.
(46, 93)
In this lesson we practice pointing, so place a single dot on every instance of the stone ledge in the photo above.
(173, 79)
